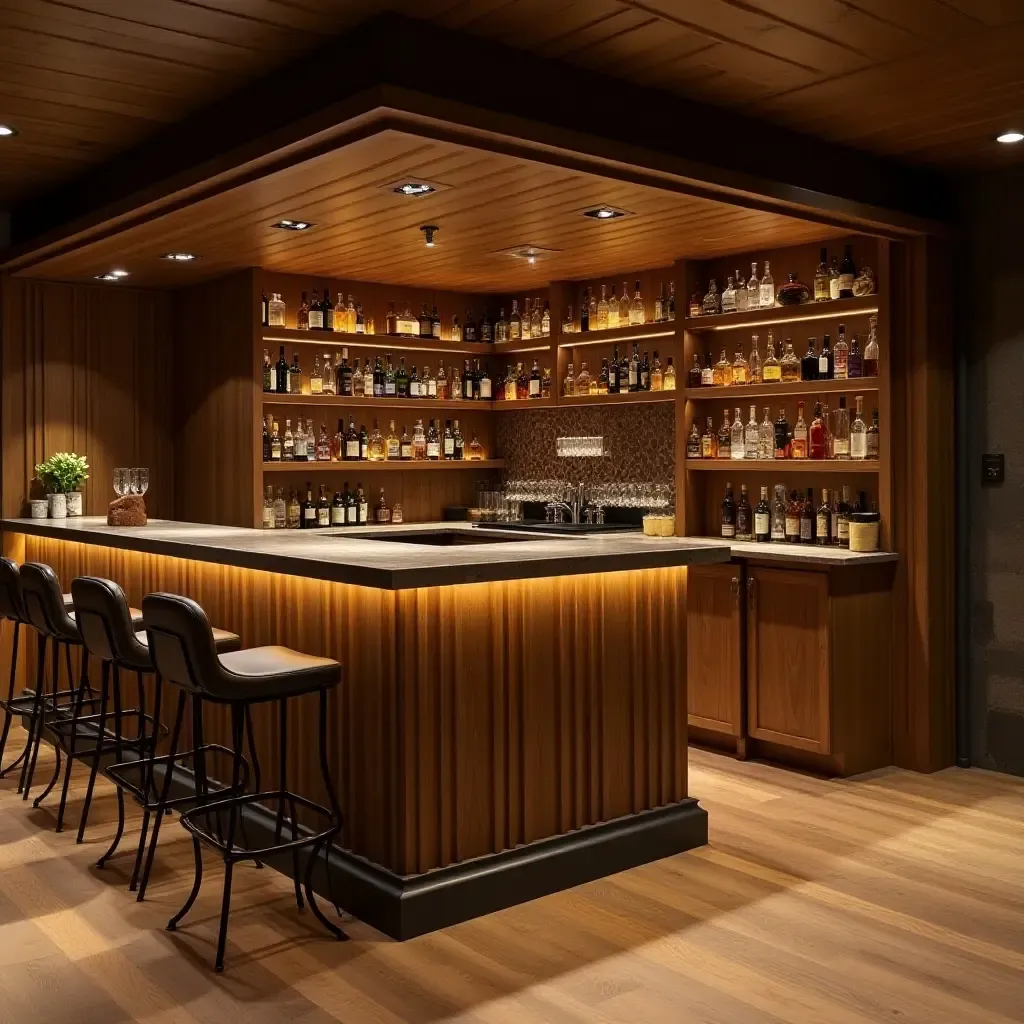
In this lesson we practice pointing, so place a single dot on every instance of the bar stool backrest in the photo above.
(12, 606)
(181, 642)
(101, 610)
(44, 602)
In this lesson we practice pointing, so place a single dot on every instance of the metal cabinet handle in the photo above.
(734, 587)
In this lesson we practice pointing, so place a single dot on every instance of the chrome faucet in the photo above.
(573, 502)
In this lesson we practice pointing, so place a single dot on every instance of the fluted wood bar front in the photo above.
(491, 741)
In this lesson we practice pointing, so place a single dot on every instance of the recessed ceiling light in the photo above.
(604, 213)
(179, 257)
(531, 253)
(6, 129)
(415, 188)
(1010, 137)
(292, 225)
(117, 272)
(112, 275)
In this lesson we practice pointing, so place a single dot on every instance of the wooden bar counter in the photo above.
(513, 716)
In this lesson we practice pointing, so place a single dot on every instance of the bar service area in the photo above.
(541, 474)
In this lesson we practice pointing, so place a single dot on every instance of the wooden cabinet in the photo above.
(792, 663)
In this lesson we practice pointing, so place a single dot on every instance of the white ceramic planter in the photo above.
(74, 503)
(39, 508)
(58, 506)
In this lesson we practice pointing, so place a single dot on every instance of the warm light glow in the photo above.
(1010, 137)
(615, 340)
(415, 188)
(292, 225)
(6, 129)
(179, 257)
(604, 213)
(118, 273)
(111, 275)
(694, 324)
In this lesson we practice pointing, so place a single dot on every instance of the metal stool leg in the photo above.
(8, 715)
(117, 835)
(282, 729)
(75, 715)
(55, 712)
(104, 699)
(30, 763)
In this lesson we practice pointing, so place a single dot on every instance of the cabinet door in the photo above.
(788, 676)
(714, 683)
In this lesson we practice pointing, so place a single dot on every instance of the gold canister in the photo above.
(864, 531)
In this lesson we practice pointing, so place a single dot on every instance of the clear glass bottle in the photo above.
(841, 355)
(594, 310)
(625, 306)
(475, 450)
(288, 443)
(405, 445)
(789, 364)
(583, 380)
(755, 361)
(766, 437)
(456, 333)
(798, 447)
(740, 369)
(501, 329)
(725, 437)
(693, 445)
(268, 508)
(659, 304)
(419, 442)
(737, 442)
(357, 380)
(712, 300)
(527, 320)
(602, 311)
(515, 323)
(751, 435)
(569, 384)
(722, 371)
(729, 296)
(778, 523)
(330, 381)
(753, 288)
(767, 291)
(859, 432)
(637, 313)
(276, 310)
(821, 278)
(316, 377)
(840, 432)
(742, 298)
(669, 383)
(871, 349)
(772, 370)
(657, 376)
(302, 314)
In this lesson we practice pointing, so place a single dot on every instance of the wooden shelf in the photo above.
(426, 404)
(521, 405)
(796, 387)
(784, 314)
(381, 342)
(850, 466)
(374, 467)
(643, 332)
(628, 398)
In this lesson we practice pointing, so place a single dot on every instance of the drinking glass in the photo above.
(140, 480)
(122, 481)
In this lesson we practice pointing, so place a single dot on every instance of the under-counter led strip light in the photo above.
(842, 314)
(616, 339)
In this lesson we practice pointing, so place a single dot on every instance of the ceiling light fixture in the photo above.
(179, 257)
(604, 213)
(1009, 137)
(292, 225)
(111, 275)
(429, 230)
(6, 129)
(415, 188)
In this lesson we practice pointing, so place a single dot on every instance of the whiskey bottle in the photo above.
(288, 443)
(872, 440)
(847, 274)
(364, 443)
(789, 364)
(817, 439)
(725, 437)
(338, 508)
(766, 437)
(809, 363)
(323, 508)
(537, 320)
(744, 516)
(545, 383)
(344, 384)
(871, 349)
(740, 369)
(657, 375)
(779, 509)
(328, 308)
(798, 449)
(614, 383)
(634, 370)
(751, 436)
(425, 324)
(826, 361)
(405, 446)
(456, 332)
(419, 442)
(841, 431)
(767, 287)
(391, 444)
(695, 376)
(833, 279)
(302, 314)
(613, 310)
(707, 374)
(469, 384)
(584, 312)
(351, 507)
(782, 436)
(728, 514)
(582, 386)
(294, 520)
(316, 313)
(741, 292)
(602, 311)
(823, 530)
(737, 444)
(670, 376)
(535, 380)
(794, 509)
(282, 377)
(351, 450)
(755, 371)
(266, 440)
(264, 310)
(772, 371)
(435, 324)
(390, 383)
(841, 533)
(763, 519)
(295, 376)
(645, 373)
(377, 447)
(712, 303)
(362, 505)
(275, 443)
(441, 382)
(545, 320)
(308, 521)
(433, 443)
(821, 278)
(854, 361)
(268, 509)
(276, 310)
(299, 442)
(382, 513)
(722, 373)
(637, 315)
(671, 311)
(460, 444)
(428, 381)
(359, 388)
(486, 334)
(448, 442)
(625, 305)
(402, 380)
(709, 441)
(485, 385)
(693, 443)
(474, 450)
(390, 320)
(469, 330)
(316, 378)
(527, 320)
(807, 517)
(729, 295)
(414, 384)
(842, 355)
(330, 384)
(269, 374)
(515, 323)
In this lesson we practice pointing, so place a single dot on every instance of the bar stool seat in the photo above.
(269, 673)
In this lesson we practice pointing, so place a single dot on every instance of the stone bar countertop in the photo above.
(803, 554)
(359, 555)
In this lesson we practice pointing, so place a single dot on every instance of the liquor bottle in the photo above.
(294, 513)
(315, 313)
(501, 329)
(625, 306)
(847, 274)
(338, 508)
(330, 376)
(264, 310)
(763, 519)
(414, 384)
(486, 332)
(269, 373)
(390, 385)
(275, 311)
(430, 382)
(390, 320)
(817, 439)
(545, 383)
(362, 505)
(266, 438)
(809, 363)
(344, 375)
(740, 371)
(391, 444)
(823, 525)
(377, 447)
(282, 377)
(712, 302)
(779, 508)
(753, 288)
(729, 295)
(695, 376)
(854, 361)
(288, 443)
(709, 441)
(841, 356)
(359, 388)
(782, 436)
(613, 309)
(405, 446)
(419, 442)
(468, 383)
(425, 327)
(537, 321)
(729, 514)
(798, 448)
(545, 320)
(584, 312)
(789, 364)
(693, 445)
(841, 431)
(826, 361)
(871, 349)
(338, 451)
(859, 432)
(534, 387)
(456, 331)
(448, 442)
(515, 323)
(634, 370)
(299, 442)
(435, 324)
(615, 385)
(469, 332)
(268, 509)
(352, 316)
(460, 444)
(755, 369)
(323, 508)
(741, 293)
(402, 380)
(725, 437)
(794, 509)
(767, 291)
(722, 371)
(766, 437)
(657, 375)
(275, 442)
(737, 442)
(670, 313)
(474, 450)
(751, 435)
(433, 443)
(669, 383)
(485, 385)
(308, 510)
(872, 440)
(821, 278)
(527, 320)
(316, 378)
(833, 279)
(351, 507)
(707, 373)
(659, 304)
(772, 372)
(744, 516)
(382, 514)
(302, 314)
(582, 383)
(841, 533)
(328, 308)
(637, 314)
(807, 518)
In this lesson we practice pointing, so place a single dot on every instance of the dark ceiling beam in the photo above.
(316, 94)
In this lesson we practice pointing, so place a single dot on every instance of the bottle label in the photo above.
(316, 320)
(393, 450)
(792, 526)
(728, 530)
(337, 515)
(845, 283)
(364, 511)
(431, 388)
(310, 513)
(823, 524)
(645, 381)
(841, 447)
(467, 387)
(364, 449)
(778, 530)
(406, 451)
(707, 377)
(843, 533)
(352, 449)
(485, 388)
(268, 517)
(389, 389)
(323, 517)
(414, 389)
(449, 446)
(762, 523)
(833, 287)
(823, 367)
(805, 529)
(316, 385)
(772, 372)
(433, 450)
(534, 388)
(352, 513)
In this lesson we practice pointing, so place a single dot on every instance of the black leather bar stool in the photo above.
(12, 609)
(181, 642)
(61, 712)
(110, 634)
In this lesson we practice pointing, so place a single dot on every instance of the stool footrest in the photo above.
(131, 776)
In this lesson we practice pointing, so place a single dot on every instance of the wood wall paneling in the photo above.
(86, 369)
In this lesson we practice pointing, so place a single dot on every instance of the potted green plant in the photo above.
(62, 474)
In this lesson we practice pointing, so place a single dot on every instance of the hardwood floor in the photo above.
(888, 897)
